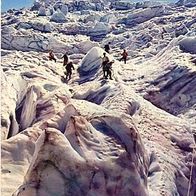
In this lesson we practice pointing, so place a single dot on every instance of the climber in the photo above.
(51, 56)
(65, 59)
(109, 70)
(163, 32)
(107, 47)
(124, 56)
(69, 68)
(105, 60)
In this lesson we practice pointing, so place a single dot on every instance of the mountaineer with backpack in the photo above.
(124, 56)
(105, 61)
(107, 47)
(109, 70)
(69, 68)
(51, 56)
(65, 59)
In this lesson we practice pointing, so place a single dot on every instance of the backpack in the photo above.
(108, 65)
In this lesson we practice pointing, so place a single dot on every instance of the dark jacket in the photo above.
(69, 66)
(107, 48)
(65, 57)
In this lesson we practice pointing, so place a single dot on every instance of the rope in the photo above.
(192, 163)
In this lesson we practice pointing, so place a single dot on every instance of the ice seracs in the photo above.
(109, 155)
(36, 5)
(58, 17)
(100, 30)
(132, 135)
(64, 9)
(42, 11)
(144, 15)
(43, 26)
(188, 44)
(187, 3)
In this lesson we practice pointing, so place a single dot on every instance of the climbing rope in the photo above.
(192, 163)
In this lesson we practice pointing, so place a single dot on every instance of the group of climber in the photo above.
(66, 63)
(107, 67)
(124, 54)
(106, 63)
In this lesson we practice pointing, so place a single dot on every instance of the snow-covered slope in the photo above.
(130, 136)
